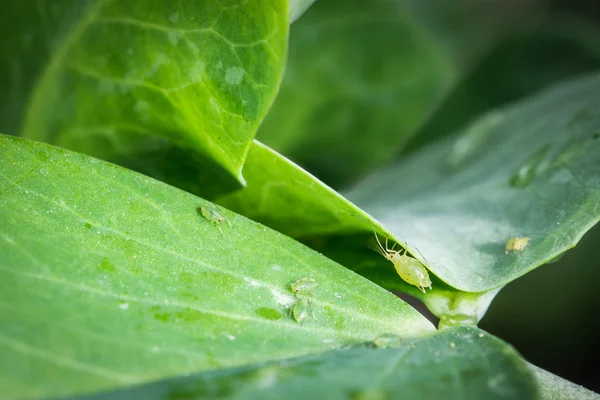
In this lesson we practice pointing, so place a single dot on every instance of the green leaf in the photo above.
(453, 307)
(362, 76)
(553, 387)
(124, 80)
(463, 363)
(108, 278)
(530, 170)
(286, 198)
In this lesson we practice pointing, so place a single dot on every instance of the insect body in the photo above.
(409, 269)
(304, 286)
(211, 214)
(302, 310)
(304, 290)
(516, 244)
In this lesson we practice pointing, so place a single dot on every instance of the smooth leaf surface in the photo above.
(108, 277)
(530, 170)
(463, 363)
(363, 75)
(285, 197)
(553, 387)
(124, 79)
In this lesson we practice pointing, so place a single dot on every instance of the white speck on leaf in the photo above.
(230, 337)
(215, 105)
(252, 282)
(234, 75)
(276, 268)
(124, 306)
(174, 17)
(282, 298)
(173, 37)
(195, 73)
(337, 295)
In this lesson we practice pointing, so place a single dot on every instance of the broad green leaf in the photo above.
(463, 364)
(553, 387)
(126, 79)
(453, 307)
(283, 196)
(363, 75)
(108, 277)
(530, 170)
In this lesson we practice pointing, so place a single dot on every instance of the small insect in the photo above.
(211, 214)
(409, 269)
(516, 244)
(304, 287)
(387, 340)
(303, 310)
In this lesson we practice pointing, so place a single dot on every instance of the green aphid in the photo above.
(410, 269)
(211, 214)
(387, 341)
(303, 310)
(304, 287)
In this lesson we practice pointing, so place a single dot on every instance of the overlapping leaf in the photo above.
(463, 363)
(125, 80)
(363, 75)
(531, 170)
(109, 278)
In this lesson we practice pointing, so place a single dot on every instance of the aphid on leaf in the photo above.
(211, 214)
(409, 269)
(516, 244)
(303, 310)
(304, 287)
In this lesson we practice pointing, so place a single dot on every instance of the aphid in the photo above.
(211, 214)
(387, 340)
(304, 287)
(516, 244)
(303, 310)
(409, 269)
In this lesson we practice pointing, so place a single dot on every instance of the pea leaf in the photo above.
(108, 278)
(125, 80)
(530, 170)
(553, 387)
(362, 76)
(463, 363)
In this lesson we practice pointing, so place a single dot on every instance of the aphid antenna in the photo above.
(383, 252)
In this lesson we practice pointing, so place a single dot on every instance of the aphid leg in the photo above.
(220, 230)
(226, 219)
